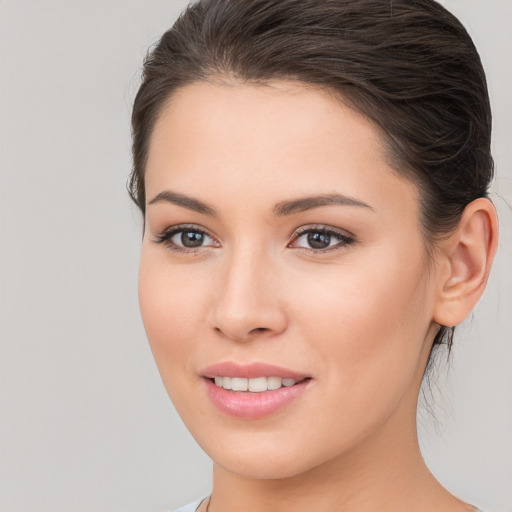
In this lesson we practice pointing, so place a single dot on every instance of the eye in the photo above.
(185, 238)
(190, 239)
(320, 239)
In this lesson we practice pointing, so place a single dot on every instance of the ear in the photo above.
(466, 259)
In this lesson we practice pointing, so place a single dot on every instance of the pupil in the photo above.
(192, 238)
(319, 240)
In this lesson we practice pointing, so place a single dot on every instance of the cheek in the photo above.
(367, 322)
(172, 303)
(173, 307)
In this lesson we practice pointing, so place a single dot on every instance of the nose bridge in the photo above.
(247, 301)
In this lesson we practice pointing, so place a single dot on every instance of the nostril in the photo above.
(258, 330)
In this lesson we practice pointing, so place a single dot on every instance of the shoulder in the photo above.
(191, 507)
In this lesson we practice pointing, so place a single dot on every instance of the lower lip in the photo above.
(252, 406)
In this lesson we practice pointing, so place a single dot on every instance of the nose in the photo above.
(248, 302)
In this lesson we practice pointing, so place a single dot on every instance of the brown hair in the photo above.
(407, 65)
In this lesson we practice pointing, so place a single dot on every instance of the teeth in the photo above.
(256, 385)
(274, 383)
(239, 384)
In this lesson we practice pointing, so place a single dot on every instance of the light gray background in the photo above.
(85, 424)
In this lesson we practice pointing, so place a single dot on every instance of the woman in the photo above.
(313, 177)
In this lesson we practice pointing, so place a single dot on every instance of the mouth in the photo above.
(253, 391)
(255, 384)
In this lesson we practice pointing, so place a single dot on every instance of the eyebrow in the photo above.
(184, 201)
(308, 203)
(281, 209)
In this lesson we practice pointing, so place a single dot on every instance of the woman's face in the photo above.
(279, 244)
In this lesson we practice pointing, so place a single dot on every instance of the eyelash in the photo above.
(166, 236)
(344, 239)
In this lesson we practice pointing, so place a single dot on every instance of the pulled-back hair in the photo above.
(407, 65)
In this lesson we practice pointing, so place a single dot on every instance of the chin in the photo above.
(268, 457)
(261, 467)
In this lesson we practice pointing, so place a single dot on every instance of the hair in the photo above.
(407, 65)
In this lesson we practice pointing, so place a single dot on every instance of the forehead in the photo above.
(259, 114)
(280, 138)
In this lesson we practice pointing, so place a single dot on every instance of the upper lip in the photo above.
(250, 371)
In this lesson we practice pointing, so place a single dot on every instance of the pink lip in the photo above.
(253, 405)
(250, 371)
(249, 405)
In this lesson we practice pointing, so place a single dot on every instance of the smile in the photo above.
(254, 385)
(253, 391)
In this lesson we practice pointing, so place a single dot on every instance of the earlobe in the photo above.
(468, 255)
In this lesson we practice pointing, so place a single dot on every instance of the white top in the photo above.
(192, 507)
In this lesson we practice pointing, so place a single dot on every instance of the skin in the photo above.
(358, 318)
